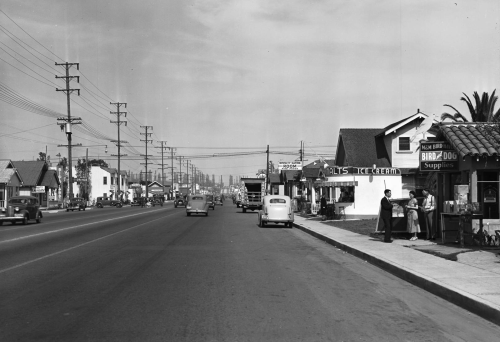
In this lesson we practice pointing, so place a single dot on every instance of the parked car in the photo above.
(276, 209)
(180, 201)
(136, 202)
(211, 202)
(21, 208)
(102, 202)
(197, 204)
(76, 203)
(218, 200)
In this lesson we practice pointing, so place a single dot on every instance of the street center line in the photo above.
(74, 227)
(78, 246)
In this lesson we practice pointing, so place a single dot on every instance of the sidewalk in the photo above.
(472, 282)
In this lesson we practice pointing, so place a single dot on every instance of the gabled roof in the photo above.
(6, 164)
(31, 171)
(401, 123)
(360, 147)
(319, 164)
(155, 183)
(6, 175)
(50, 179)
(472, 139)
(109, 170)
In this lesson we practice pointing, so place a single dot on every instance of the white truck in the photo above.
(254, 190)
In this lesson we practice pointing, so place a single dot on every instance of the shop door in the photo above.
(488, 194)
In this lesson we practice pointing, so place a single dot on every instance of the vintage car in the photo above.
(218, 200)
(197, 204)
(21, 208)
(180, 201)
(276, 209)
(76, 203)
(211, 202)
(102, 202)
(136, 201)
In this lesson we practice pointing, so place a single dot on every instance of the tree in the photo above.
(98, 162)
(63, 164)
(43, 157)
(82, 168)
(483, 111)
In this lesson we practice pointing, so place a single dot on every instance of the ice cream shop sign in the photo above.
(438, 156)
(353, 170)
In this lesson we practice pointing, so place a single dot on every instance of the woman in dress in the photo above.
(412, 207)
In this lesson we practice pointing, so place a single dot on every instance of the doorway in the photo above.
(487, 191)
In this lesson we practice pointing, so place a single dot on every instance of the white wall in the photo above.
(369, 192)
(405, 158)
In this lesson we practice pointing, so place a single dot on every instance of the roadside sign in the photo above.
(438, 156)
(38, 190)
(295, 165)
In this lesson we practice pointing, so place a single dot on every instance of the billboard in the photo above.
(295, 165)
(438, 156)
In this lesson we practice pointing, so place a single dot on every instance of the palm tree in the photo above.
(484, 111)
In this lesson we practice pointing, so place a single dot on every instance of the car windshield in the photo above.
(18, 201)
(277, 200)
(197, 198)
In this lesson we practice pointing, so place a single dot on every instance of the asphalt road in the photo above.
(154, 274)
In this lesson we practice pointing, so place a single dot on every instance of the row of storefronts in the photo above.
(447, 157)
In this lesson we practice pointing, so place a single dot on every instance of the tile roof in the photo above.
(360, 147)
(472, 139)
(30, 171)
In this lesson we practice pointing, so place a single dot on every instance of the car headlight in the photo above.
(16, 209)
(188, 207)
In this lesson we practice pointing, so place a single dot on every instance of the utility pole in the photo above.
(193, 186)
(267, 170)
(146, 135)
(118, 142)
(172, 162)
(67, 122)
(162, 172)
(180, 172)
(187, 172)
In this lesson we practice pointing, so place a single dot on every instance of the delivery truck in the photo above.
(253, 189)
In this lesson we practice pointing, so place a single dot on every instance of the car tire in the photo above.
(67, 210)
(25, 220)
(244, 210)
(175, 205)
(99, 205)
(188, 214)
(1, 223)
(260, 222)
(79, 209)
(38, 218)
(13, 223)
(206, 214)
(264, 224)
(119, 205)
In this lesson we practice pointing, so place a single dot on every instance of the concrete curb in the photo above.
(477, 307)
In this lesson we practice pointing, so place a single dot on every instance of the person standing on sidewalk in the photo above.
(428, 207)
(412, 207)
(386, 215)
(323, 207)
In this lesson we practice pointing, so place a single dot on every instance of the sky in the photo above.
(221, 80)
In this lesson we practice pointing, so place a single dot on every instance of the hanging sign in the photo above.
(438, 156)
(296, 165)
(38, 189)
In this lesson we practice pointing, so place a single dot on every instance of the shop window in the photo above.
(404, 144)
(105, 180)
(346, 194)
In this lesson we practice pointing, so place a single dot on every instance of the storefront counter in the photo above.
(450, 227)
(400, 217)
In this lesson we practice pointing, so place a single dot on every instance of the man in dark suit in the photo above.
(386, 214)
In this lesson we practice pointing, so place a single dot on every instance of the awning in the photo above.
(349, 183)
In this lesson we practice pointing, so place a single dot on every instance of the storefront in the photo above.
(357, 191)
(463, 168)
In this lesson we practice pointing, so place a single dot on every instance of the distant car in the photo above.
(218, 200)
(211, 202)
(21, 208)
(76, 203)
(180, 201)
(136, 202)
(276, 209)
(102, 202)
(197, 204)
